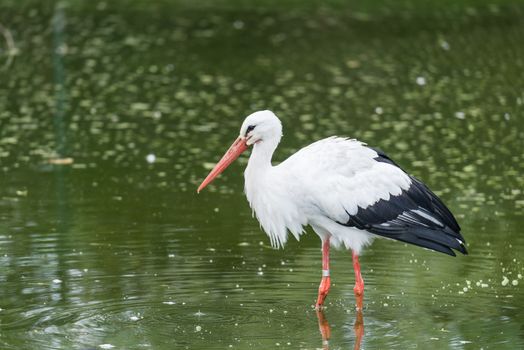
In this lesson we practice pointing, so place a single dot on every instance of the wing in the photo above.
(361, 187)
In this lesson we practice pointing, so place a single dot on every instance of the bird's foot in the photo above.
(359, 295)
(323, 291)
(359, 289)
(359, 300)
(319, 307)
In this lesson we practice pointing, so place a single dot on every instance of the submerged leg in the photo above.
(359, 329)
(359, 282)
(325, 330)
(325, 283)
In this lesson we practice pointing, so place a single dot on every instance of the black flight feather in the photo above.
(416, 216)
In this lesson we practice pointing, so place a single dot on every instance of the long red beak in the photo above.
(232, 153)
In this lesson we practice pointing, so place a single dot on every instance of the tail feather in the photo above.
(441, 240)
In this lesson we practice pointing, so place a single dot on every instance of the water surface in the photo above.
(111, 113)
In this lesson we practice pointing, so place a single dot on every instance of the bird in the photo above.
(348, 192)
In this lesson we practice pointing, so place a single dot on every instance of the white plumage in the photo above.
(294, 194)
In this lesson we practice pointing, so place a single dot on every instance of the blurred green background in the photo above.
(111, 113)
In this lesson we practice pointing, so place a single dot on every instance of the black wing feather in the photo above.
(415, 216)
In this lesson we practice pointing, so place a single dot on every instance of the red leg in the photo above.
(325, 283)
(359, 282)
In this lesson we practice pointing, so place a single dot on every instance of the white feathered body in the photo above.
(321, 185)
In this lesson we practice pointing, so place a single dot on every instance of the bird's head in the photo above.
(261, 126)
(257, 128)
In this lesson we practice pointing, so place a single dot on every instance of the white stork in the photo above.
(347, 192)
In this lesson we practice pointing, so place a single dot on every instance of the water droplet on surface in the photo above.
(460, 115)
(238, 24)
(505, 281)
(444, 45)
(151, 158)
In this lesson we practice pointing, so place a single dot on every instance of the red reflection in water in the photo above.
(325, 329)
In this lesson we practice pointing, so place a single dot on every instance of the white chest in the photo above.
(274, 205)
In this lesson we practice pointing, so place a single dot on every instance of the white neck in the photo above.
(260, 159)
(267, 195)
(256, 175)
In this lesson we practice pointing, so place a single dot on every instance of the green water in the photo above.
(112, 251)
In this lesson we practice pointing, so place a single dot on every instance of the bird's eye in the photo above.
(249, 128)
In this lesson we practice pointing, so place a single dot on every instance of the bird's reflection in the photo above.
(325, 329)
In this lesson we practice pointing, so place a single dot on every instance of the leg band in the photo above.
(325, 273)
